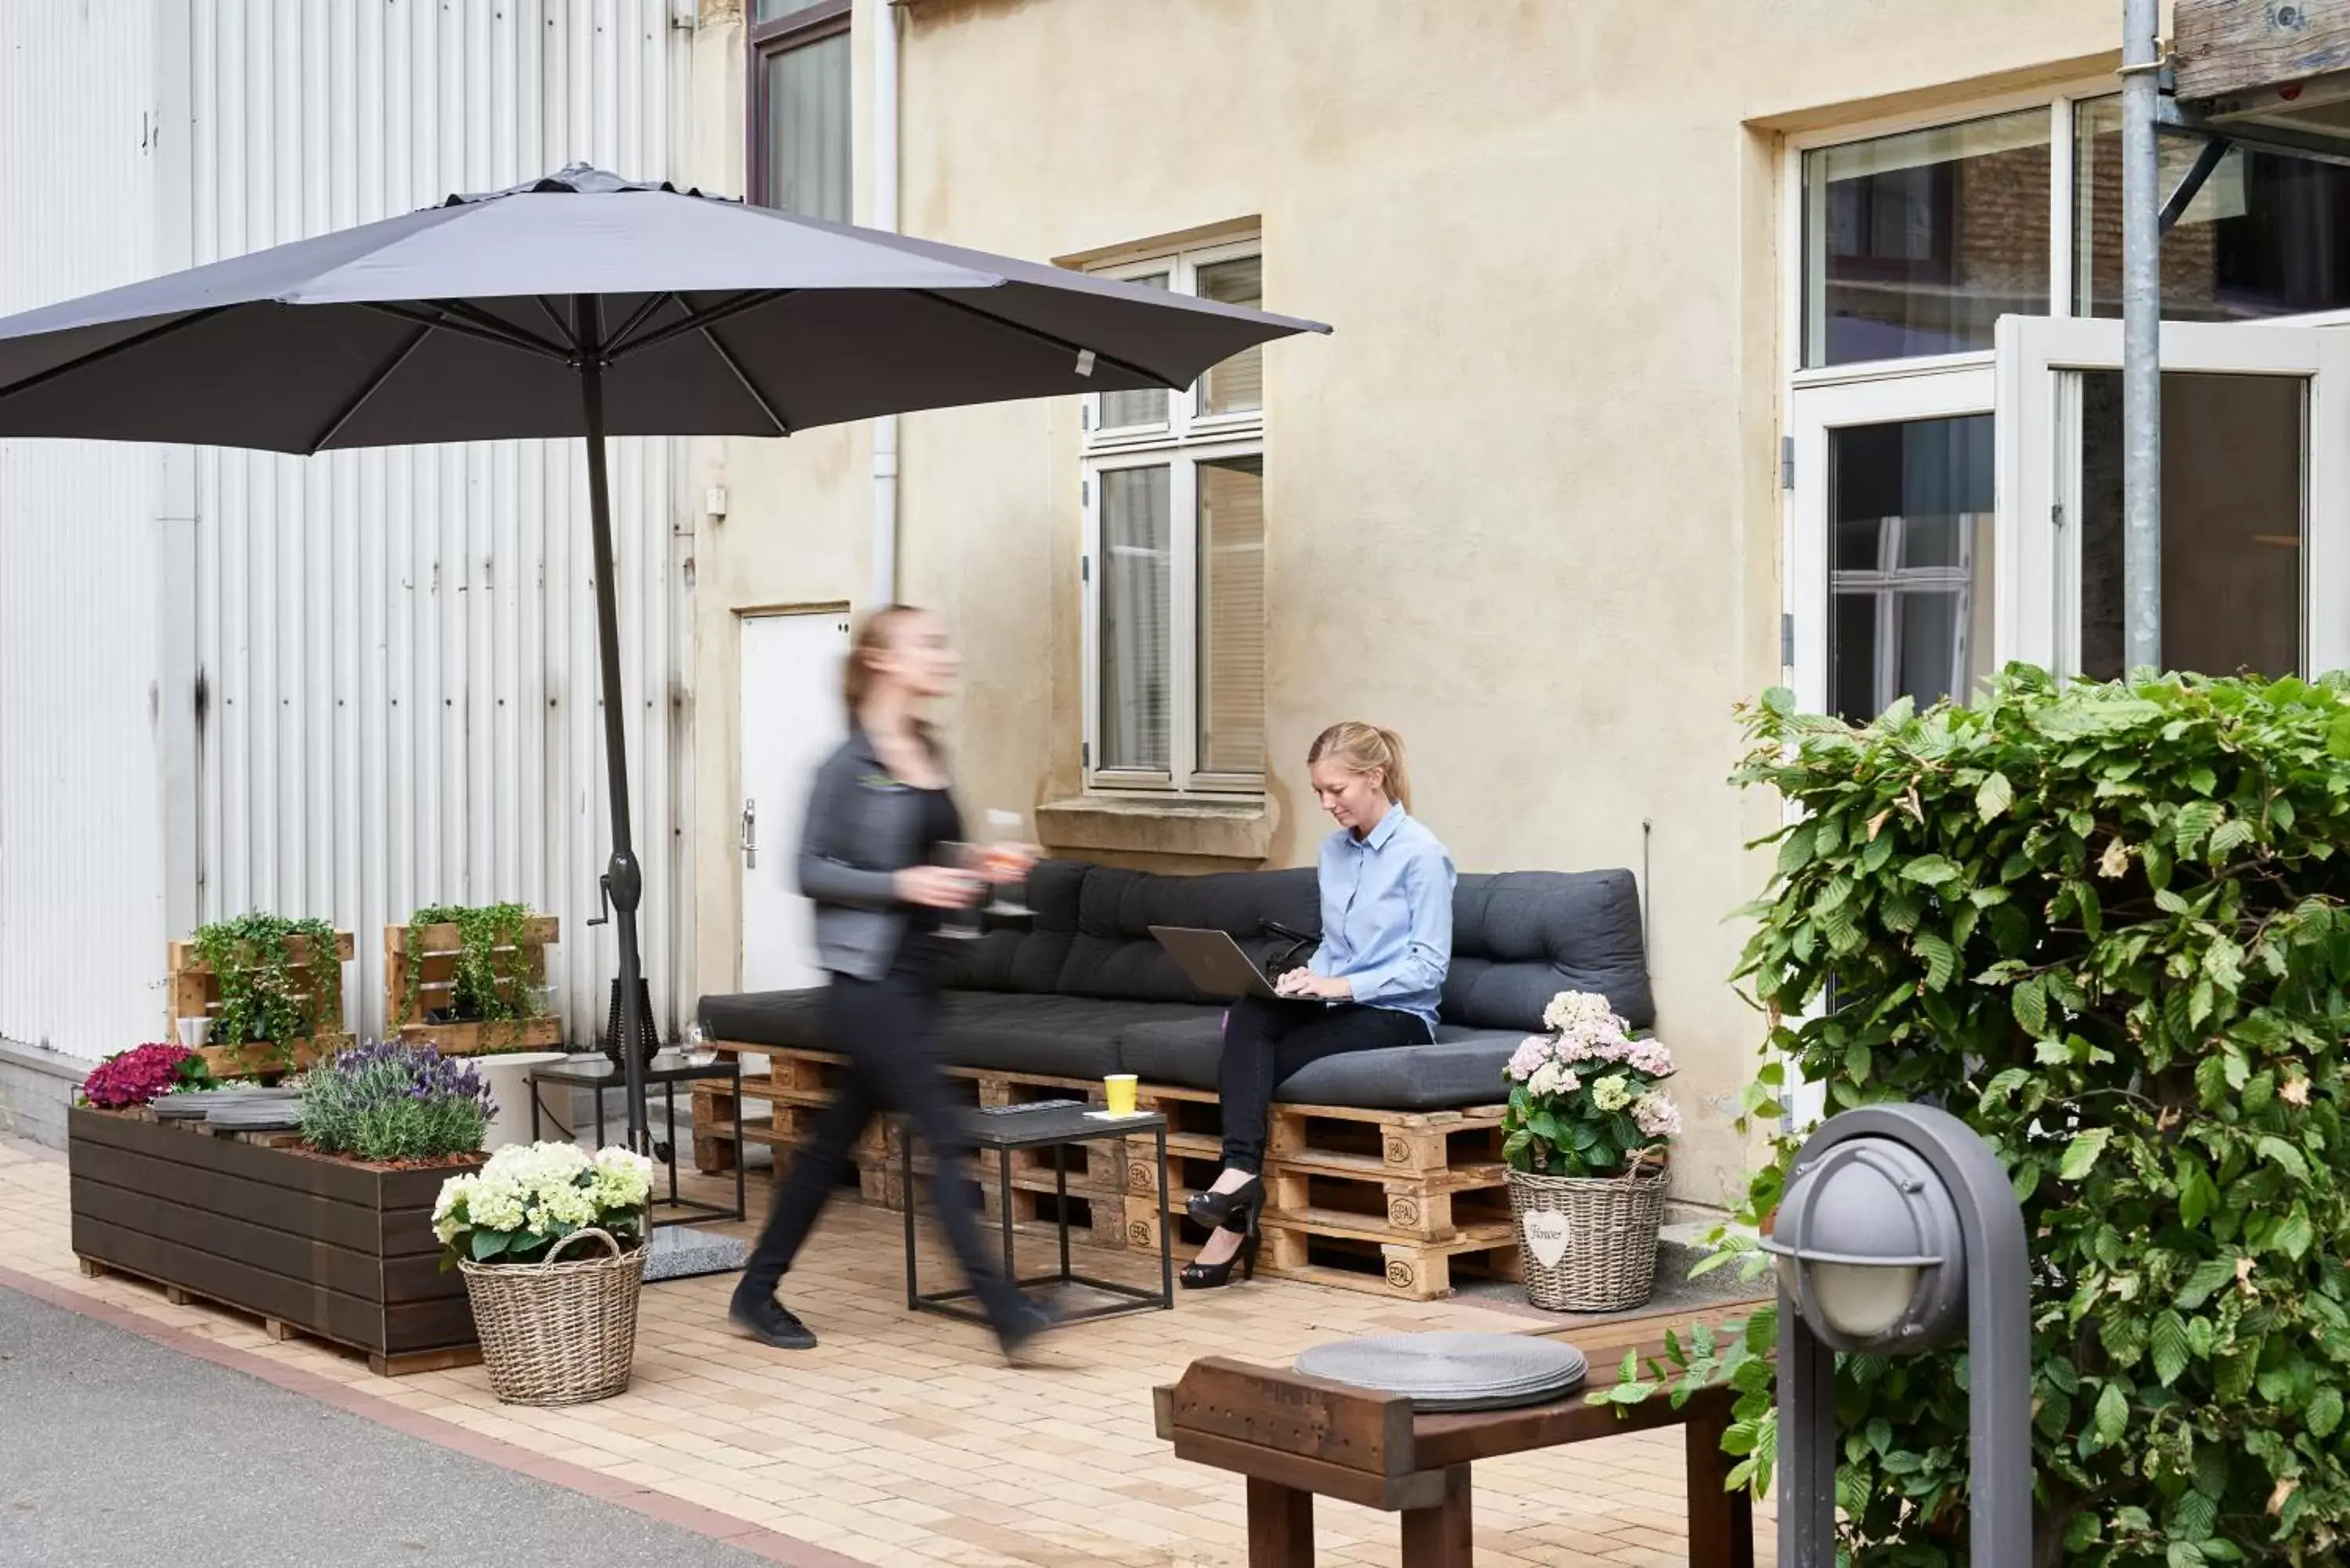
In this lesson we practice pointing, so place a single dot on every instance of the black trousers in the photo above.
(1266, 1041)
(884, 1027)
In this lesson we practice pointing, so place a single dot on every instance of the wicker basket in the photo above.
(1608, 1262)
(558, 1334)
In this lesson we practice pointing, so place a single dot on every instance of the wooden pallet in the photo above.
(192, 990)
(1396, 1202)
(436, 969)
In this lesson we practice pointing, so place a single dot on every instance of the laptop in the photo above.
(1215, 962)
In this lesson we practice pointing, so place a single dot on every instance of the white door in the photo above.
(2255, 476)
(791, 719)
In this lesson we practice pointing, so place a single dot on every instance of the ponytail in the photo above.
(1361, 748)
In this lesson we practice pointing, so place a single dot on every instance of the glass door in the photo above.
(2256, 436)
(1893, 541)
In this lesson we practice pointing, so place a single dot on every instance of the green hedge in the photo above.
(2106, 925)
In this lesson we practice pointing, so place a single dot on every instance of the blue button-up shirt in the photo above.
(1387, 915)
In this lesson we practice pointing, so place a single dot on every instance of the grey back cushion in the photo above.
(1520, 938)
(1115, 955)
(1027, 956)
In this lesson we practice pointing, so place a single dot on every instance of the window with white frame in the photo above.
(1174, 559)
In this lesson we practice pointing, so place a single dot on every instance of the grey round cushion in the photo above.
(249, 1113)
(1453, 1370)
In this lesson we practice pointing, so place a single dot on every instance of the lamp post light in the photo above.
(1900, 1233)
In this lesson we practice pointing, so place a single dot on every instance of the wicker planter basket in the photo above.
(1608, 1262)
(558, 1333)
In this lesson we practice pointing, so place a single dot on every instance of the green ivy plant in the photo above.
(2110, 927)
(491, 984)
(261, 1000)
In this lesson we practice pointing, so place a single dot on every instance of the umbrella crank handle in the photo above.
(603, 900)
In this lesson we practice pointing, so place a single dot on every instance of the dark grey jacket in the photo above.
(863, 827)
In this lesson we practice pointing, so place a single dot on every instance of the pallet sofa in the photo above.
(1384, 1166)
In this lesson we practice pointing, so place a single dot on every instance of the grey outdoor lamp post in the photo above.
(1900, 1233)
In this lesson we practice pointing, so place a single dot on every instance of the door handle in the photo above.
(746, 837)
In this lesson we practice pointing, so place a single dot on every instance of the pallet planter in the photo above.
(435, 970)
(328, 1248)
(192, 990)
(1398, 1203)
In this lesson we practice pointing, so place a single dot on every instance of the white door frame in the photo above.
(1816, 414)
(2039, 445)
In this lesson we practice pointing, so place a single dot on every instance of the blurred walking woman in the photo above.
(1373, 982)
(878, 815)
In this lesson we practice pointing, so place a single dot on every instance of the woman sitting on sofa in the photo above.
(1375, 981)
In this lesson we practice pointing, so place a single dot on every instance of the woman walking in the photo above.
(1373, 982)
(878, 817)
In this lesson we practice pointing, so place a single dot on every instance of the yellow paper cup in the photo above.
(1118, 1094)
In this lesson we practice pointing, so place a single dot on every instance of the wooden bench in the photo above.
(1294, 1437)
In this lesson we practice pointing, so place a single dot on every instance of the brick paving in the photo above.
(904, 1439)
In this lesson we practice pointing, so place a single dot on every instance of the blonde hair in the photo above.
(874, 633)
(1361, 748)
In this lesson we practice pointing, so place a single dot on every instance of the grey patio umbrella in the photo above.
(587, 305)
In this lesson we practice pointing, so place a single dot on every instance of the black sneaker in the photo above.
(769, 1322)
(1021, 1324)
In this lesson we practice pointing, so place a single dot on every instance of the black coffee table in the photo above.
(1054, 1126)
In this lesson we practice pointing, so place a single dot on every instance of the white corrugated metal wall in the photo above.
(81, 867)
(385, 659)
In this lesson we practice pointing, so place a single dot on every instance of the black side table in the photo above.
(1054, 1126)
(599, 1072)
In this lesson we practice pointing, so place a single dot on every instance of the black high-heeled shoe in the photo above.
(1218, 1210)
(1198, 1276)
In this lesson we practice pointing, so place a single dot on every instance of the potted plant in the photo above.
(143, 1075)
(271, 985)
(331, 1237)
(471, 979)
(1586, 1135)
(556, 1329)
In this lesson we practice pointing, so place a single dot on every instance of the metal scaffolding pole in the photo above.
(2141, 336)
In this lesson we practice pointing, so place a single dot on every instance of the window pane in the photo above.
(1909, 574)
(1232, 616)
(1919, 243)
(1137, 572)
(2261, 238)
(1148, 407)
(806, 105)
(1237, 385)
(2231, 528)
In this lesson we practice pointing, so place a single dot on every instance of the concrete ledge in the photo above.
(1239, 829)
(36, 1089)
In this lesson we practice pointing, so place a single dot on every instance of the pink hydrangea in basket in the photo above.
(143, 1074)
(1585, 1136)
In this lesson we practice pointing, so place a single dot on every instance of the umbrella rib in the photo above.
(136, 341)
(758, 397)
(562, 327)
(464, 328)
(375, 384)
(465, 309)
(653, 302)
(1040, 336)
(750, 300)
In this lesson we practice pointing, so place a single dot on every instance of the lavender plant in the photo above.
(395, 1101)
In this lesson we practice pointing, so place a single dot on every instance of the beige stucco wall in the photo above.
(1523, 505)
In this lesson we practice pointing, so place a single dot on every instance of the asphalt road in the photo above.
(116, 1452)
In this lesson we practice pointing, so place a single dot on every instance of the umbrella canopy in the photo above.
(587, 305)
(463, 322)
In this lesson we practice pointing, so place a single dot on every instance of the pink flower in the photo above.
(1529, 1058)
(135, 1076)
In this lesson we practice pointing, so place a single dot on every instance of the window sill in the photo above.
(1235, 828)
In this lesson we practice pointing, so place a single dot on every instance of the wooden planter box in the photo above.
(341, 1252)
(437, 970)
(193, 991)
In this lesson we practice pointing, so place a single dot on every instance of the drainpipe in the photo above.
(2141, 337)
(884, 215)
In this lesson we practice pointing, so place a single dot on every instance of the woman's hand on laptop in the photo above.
(1304, 985)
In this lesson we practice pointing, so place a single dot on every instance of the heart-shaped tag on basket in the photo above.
(1547, 1236)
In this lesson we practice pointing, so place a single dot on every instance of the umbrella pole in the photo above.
(624, 881)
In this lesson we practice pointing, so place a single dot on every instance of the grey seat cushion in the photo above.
(1115, 955)
(1520, 938)
(1463, 1068)
(1054, 1036)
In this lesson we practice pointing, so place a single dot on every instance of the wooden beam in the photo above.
(1287, 1413)
(2224, 46)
